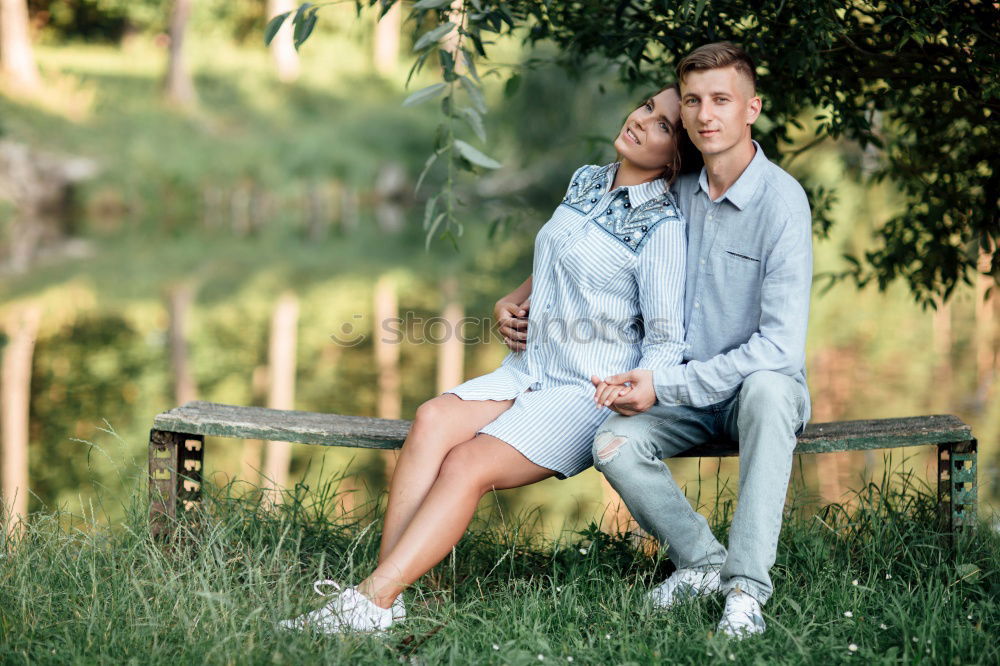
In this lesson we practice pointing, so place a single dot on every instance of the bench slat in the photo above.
(214, 419)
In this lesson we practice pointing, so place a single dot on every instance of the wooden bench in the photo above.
(177, 448)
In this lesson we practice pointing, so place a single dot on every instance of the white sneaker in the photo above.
(742, 617)
(682, 585)
(398, 609)
(348, 612)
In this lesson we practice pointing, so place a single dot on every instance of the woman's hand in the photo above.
(512, 322)
(629, 393)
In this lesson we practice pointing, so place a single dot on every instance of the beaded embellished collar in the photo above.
(632, 212)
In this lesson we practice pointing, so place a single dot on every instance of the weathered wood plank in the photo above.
(279, 425)
(206, 418)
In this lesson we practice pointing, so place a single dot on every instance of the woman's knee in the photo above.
(430, 429)
(460, 467)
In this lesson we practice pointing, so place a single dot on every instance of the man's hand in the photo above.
(628, 394)
(512, 322)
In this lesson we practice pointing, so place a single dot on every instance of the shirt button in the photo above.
(697, 304)
(702, 262)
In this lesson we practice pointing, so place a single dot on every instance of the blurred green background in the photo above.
(263, 187)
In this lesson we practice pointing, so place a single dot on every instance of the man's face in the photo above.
(717, 108)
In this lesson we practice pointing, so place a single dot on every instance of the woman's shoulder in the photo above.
(586, 186)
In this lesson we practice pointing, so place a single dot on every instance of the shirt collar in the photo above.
(740, 192)
(637, 194)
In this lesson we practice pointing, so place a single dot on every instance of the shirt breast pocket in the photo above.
(594, 259)
(736, 266)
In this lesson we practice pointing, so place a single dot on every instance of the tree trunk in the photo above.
(985, 352)
(252, 448)
(15, 395)
(389, 400)
(451, 351)
(286, 58)
(178, 305)
(16, 58)
(943, 370)
(386, 51)
(179, 86)
(281, 395)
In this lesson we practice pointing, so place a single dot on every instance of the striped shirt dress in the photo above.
(607, 297)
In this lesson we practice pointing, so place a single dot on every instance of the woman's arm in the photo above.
(660, 274)
(511, 314)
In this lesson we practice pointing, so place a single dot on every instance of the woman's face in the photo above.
(648, 140)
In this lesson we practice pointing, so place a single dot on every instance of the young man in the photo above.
(749, 273)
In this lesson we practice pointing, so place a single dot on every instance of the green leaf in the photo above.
(699, 8)
(427, 167)
(431, 4)
(433, 227)
(475, 122)
(273, 26)
(470, 64)
(424, 94)
(304, 24)
(433, 36)
(511, 86)
(475, 93)
(429, 210)
(447, 64)
(475, 156)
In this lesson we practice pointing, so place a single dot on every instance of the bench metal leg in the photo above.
(957, 488)
(175, 466)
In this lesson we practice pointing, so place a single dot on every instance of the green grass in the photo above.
(99, 594)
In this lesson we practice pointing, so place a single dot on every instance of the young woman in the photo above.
(606, 296)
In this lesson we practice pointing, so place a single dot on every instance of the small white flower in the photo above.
(928, 641)
(569, 659)
(496, 647)
(970, 617)
(848, 614)
(854, 582)
(888, 576)
(732, 657)
(928, 650)
(882, 626)
(583, 551)
(607, 637)
(852, 647)
(916, 640)
(558, 589)
(541, 657)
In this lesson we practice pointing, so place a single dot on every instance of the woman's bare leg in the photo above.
(469, 471)
(441, 424)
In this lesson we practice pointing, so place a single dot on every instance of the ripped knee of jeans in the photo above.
(606, 444)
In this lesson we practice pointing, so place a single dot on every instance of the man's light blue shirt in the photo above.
(749, 274)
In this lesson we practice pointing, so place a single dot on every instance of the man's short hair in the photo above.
(716, 56)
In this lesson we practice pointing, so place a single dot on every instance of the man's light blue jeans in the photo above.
(763, 417)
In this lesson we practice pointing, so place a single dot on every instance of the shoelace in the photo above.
(327, 581)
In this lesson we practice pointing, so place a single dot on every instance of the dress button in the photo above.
(609, 211)
(628, 205)
(595, 201)
(644, 228)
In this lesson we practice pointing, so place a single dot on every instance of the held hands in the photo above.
(629, 393)
(512, 322)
